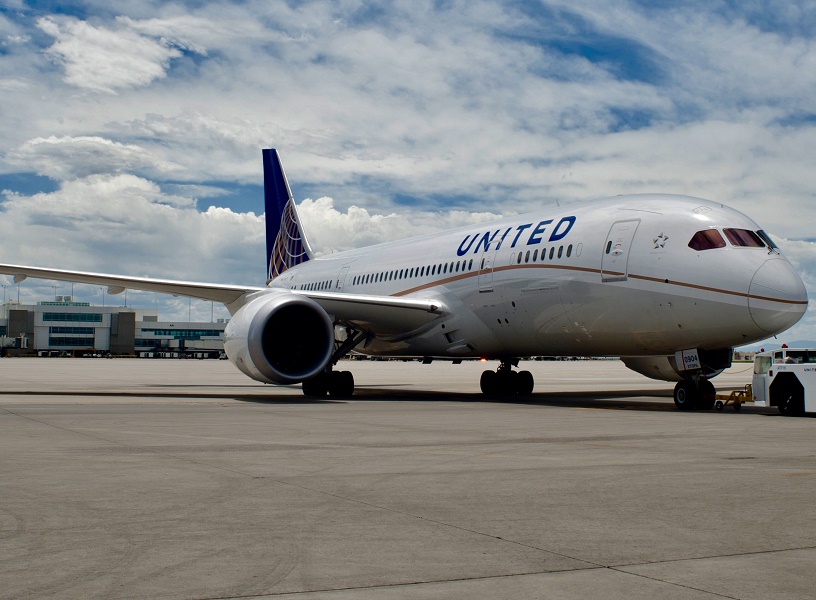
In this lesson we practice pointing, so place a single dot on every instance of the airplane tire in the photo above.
(489, 382)
(341, 383)
(792, 406)
(706, 393)
(507, 383)
(316, 387)
(685, 395)
(524, 383)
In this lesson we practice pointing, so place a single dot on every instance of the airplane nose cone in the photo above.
(777, 298)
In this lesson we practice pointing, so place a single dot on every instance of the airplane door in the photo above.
(615, 260)
(486, 271)
(341, 278)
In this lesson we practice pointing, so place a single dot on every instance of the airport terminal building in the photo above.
(76, 328)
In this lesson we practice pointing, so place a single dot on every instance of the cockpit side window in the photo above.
(767, 239)
(744, 237)
(707, 239)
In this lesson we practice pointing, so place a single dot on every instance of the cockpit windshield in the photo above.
(743, 237)
(707, 239)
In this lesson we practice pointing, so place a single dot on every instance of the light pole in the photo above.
(5, 285)
(103, 295)
(55, 291)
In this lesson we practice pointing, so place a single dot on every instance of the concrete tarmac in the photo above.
(184, 479)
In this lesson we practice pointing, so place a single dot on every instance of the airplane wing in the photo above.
(117, 283)
(380, 315)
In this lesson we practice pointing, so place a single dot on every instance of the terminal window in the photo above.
(185, 334)
(70, 342)
(71, 330)
(72, 317)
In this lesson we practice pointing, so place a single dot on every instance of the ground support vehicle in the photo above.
(786, 378)
(735, 399)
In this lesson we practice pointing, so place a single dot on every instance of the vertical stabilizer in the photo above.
(286, 246)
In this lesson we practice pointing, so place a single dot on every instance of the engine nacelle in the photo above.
(665, 368)
(280, 337)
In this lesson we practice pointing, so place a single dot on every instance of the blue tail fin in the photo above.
(286, 246)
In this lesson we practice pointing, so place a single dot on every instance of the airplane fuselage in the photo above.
(610, 277)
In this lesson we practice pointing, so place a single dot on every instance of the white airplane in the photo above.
(668, 283)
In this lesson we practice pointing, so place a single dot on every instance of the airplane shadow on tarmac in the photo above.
(656, 400)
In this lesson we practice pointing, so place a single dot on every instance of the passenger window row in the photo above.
(460, 266)
(315, 287)
(527, 257)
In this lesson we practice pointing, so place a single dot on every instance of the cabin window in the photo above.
(744, 237)
(552, 252)
(527, 257)
(707, 239)
(569, 250)
(560, 251)
(518, 262)
(470, 265)
(535, 255)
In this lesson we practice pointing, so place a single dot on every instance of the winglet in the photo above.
(286, 246)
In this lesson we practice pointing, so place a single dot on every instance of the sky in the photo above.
(130, 131)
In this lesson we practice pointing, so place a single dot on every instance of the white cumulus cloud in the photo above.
(69, 157)
(106, 59)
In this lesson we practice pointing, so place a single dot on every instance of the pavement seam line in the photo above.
(455, 580)
(692, 558)
(673, 583)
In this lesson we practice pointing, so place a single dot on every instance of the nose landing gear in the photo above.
(694, 395)
(506, 382)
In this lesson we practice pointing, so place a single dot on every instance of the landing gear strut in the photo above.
(694, 395)
(334, 383)
(506, 382)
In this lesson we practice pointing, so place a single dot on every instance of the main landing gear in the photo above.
(506, 382)
(694, 395)
(334, 383)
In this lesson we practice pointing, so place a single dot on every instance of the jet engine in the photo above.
(665, 368)
(280, 337)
